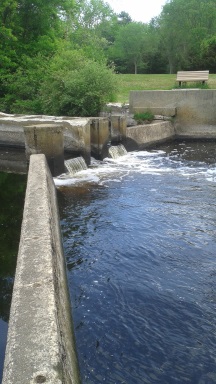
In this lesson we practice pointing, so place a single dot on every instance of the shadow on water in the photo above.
(12, 193)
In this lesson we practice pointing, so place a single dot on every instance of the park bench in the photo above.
(194, 76)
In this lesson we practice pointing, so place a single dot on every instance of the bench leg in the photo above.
(179, 83)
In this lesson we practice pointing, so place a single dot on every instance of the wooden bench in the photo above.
(195, 76)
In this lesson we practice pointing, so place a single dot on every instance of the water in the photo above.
(116, 151)
(12, 191)
(75, 165)
(139, 239)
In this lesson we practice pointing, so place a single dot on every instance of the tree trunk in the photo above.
(135, 68)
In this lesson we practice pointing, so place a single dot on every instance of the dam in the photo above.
(47, 374)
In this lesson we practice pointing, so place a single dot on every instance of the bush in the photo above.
(21, 88)
(77, 86)
(143, 117)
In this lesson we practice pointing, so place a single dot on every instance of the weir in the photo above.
(116, 151)
(41, 346)
(75, 165)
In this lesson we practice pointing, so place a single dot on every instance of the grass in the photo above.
(145, 82)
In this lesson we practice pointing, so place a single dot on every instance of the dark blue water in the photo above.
(140, 244)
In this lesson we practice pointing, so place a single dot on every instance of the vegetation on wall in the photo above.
(59, 57)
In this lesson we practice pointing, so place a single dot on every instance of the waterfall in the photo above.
(75, 165)
(117, 151)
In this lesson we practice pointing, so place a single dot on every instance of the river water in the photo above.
(140, 243)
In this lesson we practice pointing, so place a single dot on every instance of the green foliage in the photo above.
(132, 44)
(208, 53)
(37, 75)
(147, 116)
(183, 25)
(76, 86)
(22, 87)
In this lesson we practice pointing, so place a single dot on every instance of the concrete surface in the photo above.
(140, 136)
(41, 345)
(76, 130)
(47, 139)
(195, 115)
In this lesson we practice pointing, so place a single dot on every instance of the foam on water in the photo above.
(145, 162)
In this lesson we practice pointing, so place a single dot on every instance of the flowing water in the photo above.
(12, 191)
(140, 243)
(75, 165)
(116, 151)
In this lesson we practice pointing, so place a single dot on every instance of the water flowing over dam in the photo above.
(75, 165)
(117, 151)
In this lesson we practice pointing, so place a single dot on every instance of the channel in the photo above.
(139, 240)
(12, 194)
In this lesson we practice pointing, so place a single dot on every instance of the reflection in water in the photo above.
(12, 190)
(139, 239)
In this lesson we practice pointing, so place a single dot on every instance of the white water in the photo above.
(143, 162)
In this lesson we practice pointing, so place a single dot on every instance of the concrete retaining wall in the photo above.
(40, 346)
(140, 136)
(76, 131)
(194, 109)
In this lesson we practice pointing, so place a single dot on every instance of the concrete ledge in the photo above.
(147, 134)
(76, 131)
(41, 345)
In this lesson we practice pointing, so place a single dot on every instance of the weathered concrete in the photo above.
(46, 139)
(40, 346)
(76, 131)
(100, 137)
(77, 138)
(118, 127)
(140, 136)
(195, 109)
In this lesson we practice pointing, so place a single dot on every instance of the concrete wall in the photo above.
(100, 137)
(141, 136)
(76, 131)
(194, 109)
(40, 346)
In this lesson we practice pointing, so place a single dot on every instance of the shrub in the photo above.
(143, 117)
(77, 86)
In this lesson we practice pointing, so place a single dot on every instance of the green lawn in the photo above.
(129, 83)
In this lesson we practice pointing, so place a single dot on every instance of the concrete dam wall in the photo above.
(40, 345)
(193, 110)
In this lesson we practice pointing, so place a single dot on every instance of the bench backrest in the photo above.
(192, 75)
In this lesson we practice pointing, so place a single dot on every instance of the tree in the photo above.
(208, 53)
(132, 45)
(183, 26)
(124, 18)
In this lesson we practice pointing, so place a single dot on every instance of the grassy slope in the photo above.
(129, 83)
